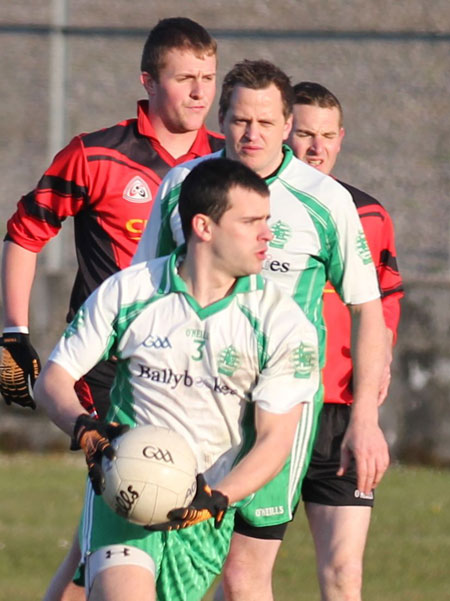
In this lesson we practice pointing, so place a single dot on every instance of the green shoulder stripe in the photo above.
(166, 243)
(308, 291)
(327, 231)
(261, 337)
(315, 208)
(122, 406)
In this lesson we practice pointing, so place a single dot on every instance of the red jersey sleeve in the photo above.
(61, 192)
(379, 231)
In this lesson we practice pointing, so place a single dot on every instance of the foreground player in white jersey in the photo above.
(233, 345)
(317, 237)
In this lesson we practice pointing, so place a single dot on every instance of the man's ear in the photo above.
(287, 127)
(341, 136)
(148, 82)
(201, 226)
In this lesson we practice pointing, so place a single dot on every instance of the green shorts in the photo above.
(186, 561)
(275, 503)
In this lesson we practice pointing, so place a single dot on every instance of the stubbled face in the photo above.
(316, 136)
(255, 128)
(182, 97)
(239, 241)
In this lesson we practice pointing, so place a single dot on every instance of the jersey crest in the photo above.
(304, 360)
(229, 360)
(282, 232)
(137, 190)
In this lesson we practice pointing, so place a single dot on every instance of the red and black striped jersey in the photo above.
(379, 232)
(107, 181)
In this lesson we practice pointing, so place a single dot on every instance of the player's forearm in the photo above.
(18, 269)
(54, 392)
(389, 348)
(265, 459)
(369, 354)
(390, 339)
(391, 312)
(257, 468)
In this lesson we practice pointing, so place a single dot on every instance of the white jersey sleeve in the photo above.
(93, 334)
(163, 232)
(291, 373)
(317, 237)
(351, 269)
(81, 353)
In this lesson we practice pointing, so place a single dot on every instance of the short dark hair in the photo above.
(177, 33)
(312, 93)
(256, 75)
(206, 189)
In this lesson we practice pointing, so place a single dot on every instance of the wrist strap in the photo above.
(16, 330)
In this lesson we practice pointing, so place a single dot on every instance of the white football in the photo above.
(154, 471)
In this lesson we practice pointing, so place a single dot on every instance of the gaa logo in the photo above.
(157, 342)
(157, 453)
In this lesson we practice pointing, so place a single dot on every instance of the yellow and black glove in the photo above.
(94, 437)
(19, 369)
(206, 504)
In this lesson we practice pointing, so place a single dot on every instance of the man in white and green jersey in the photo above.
(317, 237)
(206, 347)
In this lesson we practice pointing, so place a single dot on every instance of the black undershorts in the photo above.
(321, 485)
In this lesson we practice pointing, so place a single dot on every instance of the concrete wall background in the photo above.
(387, 62)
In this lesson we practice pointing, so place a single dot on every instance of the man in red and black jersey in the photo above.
(106, 181)
(338, 514)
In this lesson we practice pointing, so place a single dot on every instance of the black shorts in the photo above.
(321, 485)
(93, 389)
(275, 532)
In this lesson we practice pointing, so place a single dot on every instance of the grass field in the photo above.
(407, 557)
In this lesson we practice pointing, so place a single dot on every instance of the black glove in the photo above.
(19, 368)
(206, 504)
(94, 437)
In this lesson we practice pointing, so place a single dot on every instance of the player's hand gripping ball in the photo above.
(206, 504)
(153, 470)
(94, 437)
(19, 369)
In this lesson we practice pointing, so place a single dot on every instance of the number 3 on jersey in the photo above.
(200, 345)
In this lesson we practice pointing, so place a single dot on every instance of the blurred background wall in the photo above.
(70, 66)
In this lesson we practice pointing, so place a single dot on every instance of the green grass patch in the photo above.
(408, 550)
(39, 510)
(406, 558)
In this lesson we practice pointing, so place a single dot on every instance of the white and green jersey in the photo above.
(317, 236)
(189, 368)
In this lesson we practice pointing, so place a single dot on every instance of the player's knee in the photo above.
(234, 573)
(342, 581)
(246, 580)
(247, 574)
